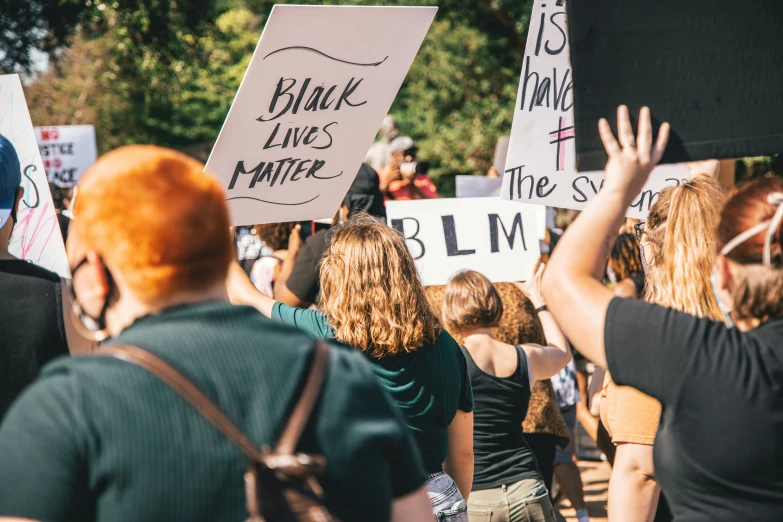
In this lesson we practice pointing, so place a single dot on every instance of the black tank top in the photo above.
(32, 331)
(501, 454)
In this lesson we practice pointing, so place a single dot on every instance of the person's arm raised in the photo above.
(544, 361)
(572, 283)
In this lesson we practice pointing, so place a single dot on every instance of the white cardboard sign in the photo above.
(484, 187)
(67, 152)
(497, 238)
(36, 236)
(541, 163)
(320, 82)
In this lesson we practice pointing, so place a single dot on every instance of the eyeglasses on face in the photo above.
(639, 230)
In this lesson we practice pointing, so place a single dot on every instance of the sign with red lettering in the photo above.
(67, 152)
(497, 238)
(317, 88)
(541, 166)
(36, 236)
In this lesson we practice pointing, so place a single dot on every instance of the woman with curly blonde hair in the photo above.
(372, 299)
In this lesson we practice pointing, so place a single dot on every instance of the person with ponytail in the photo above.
(720, 382)
(677, 248)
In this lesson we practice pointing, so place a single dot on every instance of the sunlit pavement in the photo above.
(595, 477)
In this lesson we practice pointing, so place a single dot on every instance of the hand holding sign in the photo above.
(630, 163)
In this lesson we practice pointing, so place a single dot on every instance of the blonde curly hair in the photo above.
(371, 291)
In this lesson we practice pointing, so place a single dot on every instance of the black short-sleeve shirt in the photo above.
(304, 279)
(719, 449)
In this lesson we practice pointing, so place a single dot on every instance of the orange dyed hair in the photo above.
(155, 217)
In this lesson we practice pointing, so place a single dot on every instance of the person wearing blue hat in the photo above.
(11, 191)
(35, 323)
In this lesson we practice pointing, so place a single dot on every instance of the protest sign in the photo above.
(708, 67)
(320, 82)
(67, 152)
(36, 236)
(495, 237)
(478, 187)
(484, 187)
(541, 167)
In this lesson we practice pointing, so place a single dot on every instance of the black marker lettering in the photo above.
(301, 95)
(326, 131)
(494, 238)
(562, 33)
(268, 144)
(450, 235)
(347, 92)
(399, 224)
(528, 75)
(279, 92)
(240, 169)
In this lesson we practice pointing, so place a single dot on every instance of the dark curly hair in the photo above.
(275, 235)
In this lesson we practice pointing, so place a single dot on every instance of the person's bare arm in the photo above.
(572, 283)
(414, 507)
(281, 290)
(77, 344)
(459, 461)
(544, 361)
(242, 291)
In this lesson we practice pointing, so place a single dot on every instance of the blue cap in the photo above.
(10, 178)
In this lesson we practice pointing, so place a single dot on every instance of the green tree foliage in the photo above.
(166, 71)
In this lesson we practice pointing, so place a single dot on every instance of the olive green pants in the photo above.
(523, 501)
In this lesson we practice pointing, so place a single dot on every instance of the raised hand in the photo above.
(631, 160)
(532, 285)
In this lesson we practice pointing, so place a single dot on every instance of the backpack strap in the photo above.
(207, 409)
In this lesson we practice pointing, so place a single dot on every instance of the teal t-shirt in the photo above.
(99, 439)
(428, 385)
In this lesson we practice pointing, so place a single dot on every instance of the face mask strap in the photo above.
(770, 226)
(774, 223)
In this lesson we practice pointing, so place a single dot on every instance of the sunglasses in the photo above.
(638, 229)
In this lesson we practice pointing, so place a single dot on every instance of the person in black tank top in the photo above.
(507, 485)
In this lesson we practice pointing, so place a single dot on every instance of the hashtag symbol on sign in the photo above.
(559, 136)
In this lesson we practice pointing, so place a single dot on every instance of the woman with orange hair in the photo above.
(104, 438)
(372, 299)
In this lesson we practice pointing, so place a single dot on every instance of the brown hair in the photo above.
(624, 259)
(680, 226)
(757, 290)
(470, 301)
(275, 235)
(371, 291)
(157, 218)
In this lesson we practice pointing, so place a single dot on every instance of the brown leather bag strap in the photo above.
(206, 408)
(286, 445)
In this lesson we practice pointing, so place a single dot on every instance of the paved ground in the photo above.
(595, 477)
